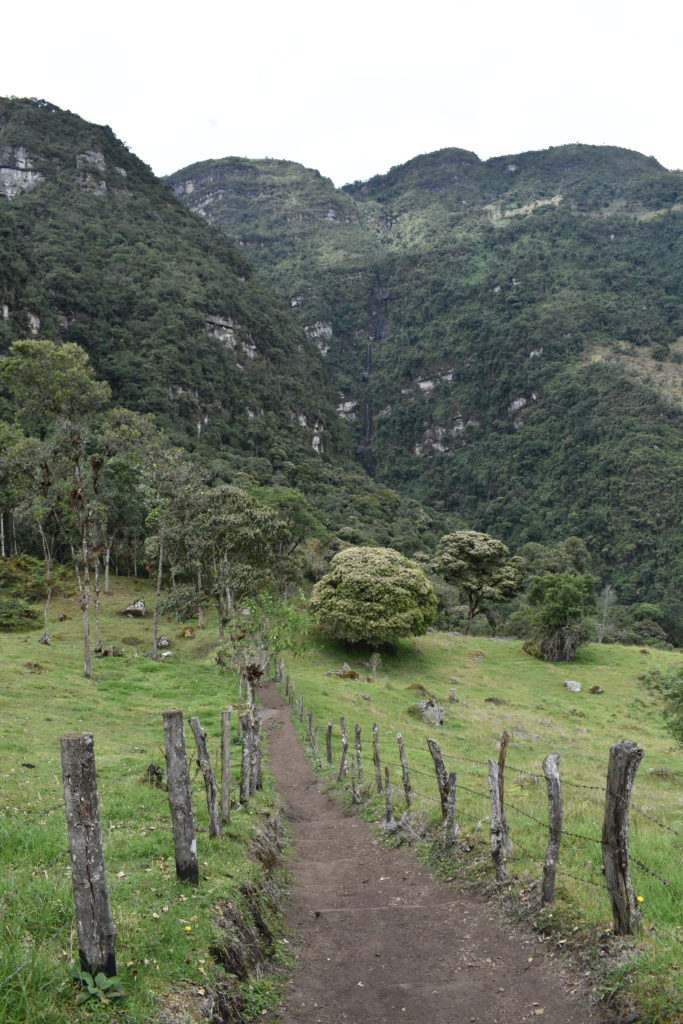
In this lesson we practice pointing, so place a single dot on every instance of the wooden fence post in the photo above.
(246, 722)
(286, 686)
(375, 757)
(180, 799)
(355, 799)
(301, 708)
(451, 829)
(388, 812)
(624, 759)
(359, 755)
(225, 766)
(205, 768)
(496, 826)
(255, 780)
(280, 670)
(552, 850)
(343, 763)
(328, 742)
(315, 744)
(504, 830)
(441, 774)
(404, 769)
(309, 727)
(94, 924)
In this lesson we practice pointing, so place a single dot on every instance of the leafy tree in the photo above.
(669, 684)
(480, 566)
(561, 603)
(374, 595)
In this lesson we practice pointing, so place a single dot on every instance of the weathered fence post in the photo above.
(552, 850)
(359, 755)
(309, 727)
(246, 722)
(205, 768)
(388, 811)
(315, 744)
(256, 781)
(451, 829)
(94, 924)
(286, 686)
(301, 708)
(328, 742)
(504, 830)
(280, 670)
(375, 757)
(343, 763)
(441, 774)
(225, 766)
(624, 759)
(355, 799)
(496, 825)
(404, 769)
(180, 799)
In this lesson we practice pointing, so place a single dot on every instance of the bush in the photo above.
(670, 685)
(16, 615)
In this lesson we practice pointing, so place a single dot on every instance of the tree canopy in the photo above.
(375, 595)
(481, 566)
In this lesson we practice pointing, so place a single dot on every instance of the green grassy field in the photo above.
(165, 929)
(541, 716)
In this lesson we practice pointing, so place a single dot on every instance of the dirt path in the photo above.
(379, 941)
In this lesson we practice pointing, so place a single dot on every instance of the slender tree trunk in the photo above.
(85, 604)
(98, 639)
(157, 599)
(107, 562)
(47, 555)
(201, 621)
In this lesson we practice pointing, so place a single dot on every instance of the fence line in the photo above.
(616, 798)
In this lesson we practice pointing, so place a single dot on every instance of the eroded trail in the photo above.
(379, 941)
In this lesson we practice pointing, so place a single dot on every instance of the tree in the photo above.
(561, 602)
(374, 595)
(481, 566)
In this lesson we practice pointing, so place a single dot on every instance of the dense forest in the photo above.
(505, 336)
(458, 343)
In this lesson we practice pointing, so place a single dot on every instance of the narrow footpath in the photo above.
(380, 941)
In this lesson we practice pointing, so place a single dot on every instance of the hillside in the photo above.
(98, 251)
(505, 336)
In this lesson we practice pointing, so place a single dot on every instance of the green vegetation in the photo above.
(669, 685)
(480, 566)
(498, 687)
(504, 337)
(373, 595)
(165, 929)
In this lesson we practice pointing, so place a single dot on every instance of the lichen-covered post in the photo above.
(256, 773)
(624, 759)
(204, 762)
(504, 830)
(225, 766)
(309, 727)
(451, 828)
(343, 761)
(359, 755)
(315, 743)
(94, 923)
(496, 825)
(407, 789)
(355, 799)
(388, 811)
(328, 742)
(246, 722)
(180, 799)
(552, 850)
(441, 774)
(375, 757)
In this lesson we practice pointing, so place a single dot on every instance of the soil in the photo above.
(380, 941)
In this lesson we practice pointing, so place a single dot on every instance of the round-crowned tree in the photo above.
(375, 595)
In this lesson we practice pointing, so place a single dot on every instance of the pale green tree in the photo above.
(375, 595)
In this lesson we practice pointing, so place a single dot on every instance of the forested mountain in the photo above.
(504, 335)
(97, 251)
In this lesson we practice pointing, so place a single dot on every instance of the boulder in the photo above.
(571, 684)
(596, 689)
(431, 713)
(163, 642)
(137, 609)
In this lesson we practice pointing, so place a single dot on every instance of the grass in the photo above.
(540, 716)
(165, 928)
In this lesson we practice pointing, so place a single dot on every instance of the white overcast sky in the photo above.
(354, 88)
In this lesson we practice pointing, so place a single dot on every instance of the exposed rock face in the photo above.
(16, 171)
